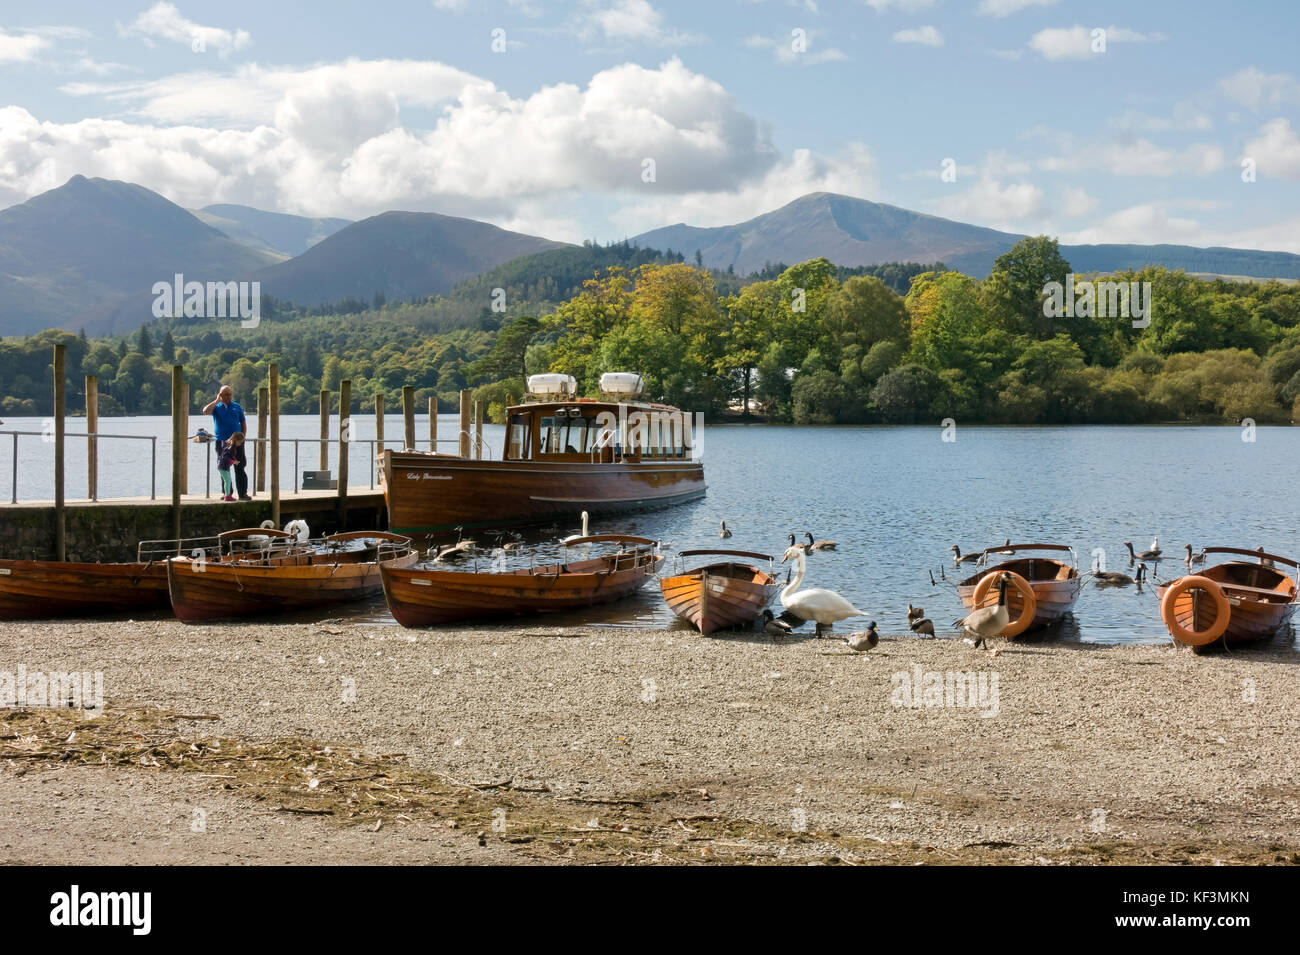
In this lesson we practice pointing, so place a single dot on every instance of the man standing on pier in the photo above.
(228, 419)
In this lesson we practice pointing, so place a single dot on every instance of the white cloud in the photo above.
(903, 6)
(1276, 150)
(165, 22)
(1004, 8)
(852, 173)
(1077, 42)
(926, 36)
(1184, 118)
(627, 21)
(784, 50)
(21, 47)
(450, 6)
(1255, 89)
(1147, 224)
(331, 140)
(988, 201)
(1141, 157)
(1076, 203)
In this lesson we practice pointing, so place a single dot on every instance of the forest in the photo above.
(810, 343)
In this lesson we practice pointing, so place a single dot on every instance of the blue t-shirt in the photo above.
(227, 418)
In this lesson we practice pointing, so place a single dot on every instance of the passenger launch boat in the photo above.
(427, 596)
(723, 594)
(1042, 589)
(563, 455)
(257, 571)
(1235, 601)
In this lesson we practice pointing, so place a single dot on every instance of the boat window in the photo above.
(551, 435)
(519, 435)
(577, 439)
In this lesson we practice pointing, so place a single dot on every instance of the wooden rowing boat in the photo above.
(427, 596)
(32, 589)
(1055, 585)
(720, 595)
(255, 572)
(1232, 602)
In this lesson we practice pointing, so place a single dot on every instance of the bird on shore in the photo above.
(824, 607)
(917, 621)
(959, 558)
(780, 626)
(1144, 555)
(988, 622)
(864, 641)
(818, 545)
(724, 533)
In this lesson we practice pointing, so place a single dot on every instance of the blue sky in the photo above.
(349, 109)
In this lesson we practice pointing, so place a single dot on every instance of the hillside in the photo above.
(853, 232)
(283, 235)
(402, 255)
(87, 254)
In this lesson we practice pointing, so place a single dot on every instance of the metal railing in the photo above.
(48, 436)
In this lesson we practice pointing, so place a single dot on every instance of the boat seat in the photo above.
(1253, 590)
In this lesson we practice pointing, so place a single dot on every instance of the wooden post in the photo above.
(178, 448)
(259, 454)
(345, 437)
(324, 430)
(408, 415)
(379, 425)
(464, 424)
(273, 408)
(60, 408)
(478, 429)
(433, 422)
(92, 444)
(185, 431)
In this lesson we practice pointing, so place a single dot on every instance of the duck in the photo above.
(921, 624)
(824, 607)
(724, 533)
(988, 622)
(779, 626)
(1153, 554)
(806, 548)
(818, 545)
(864, 641)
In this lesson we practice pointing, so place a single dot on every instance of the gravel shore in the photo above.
(1072, 752)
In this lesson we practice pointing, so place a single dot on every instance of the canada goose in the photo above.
(818, 545)
(574, 537)
(1145, 555)
(724, 533)
(1110, 578)
(806, 548)
(988, 621)
(958, 559)
(824, 607)
(864, 641)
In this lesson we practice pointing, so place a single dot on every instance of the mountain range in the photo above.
(86, 254)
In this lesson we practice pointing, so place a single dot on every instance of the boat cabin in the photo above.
(618, 428)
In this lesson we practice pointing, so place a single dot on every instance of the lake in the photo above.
(894, 498)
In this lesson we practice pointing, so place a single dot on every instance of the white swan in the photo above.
(298, 529)
(574, 537)
(824, 607)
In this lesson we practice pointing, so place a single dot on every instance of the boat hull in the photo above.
(428, 493)
(1056, 586)
(719, 596)
(1255, 612)
(203, 591)
(36, 589)
(421, 597)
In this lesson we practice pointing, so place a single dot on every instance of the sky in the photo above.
(1151, 121)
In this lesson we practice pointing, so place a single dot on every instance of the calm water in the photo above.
(896, 498)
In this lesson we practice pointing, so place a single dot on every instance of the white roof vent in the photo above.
(623, 383)
(565, 386)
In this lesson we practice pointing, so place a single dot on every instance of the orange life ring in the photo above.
(1222, 610)
(1029, 603)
